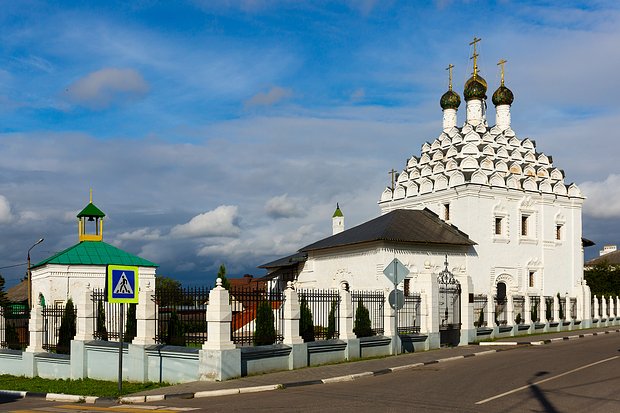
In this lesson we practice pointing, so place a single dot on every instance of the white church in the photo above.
(477, 201)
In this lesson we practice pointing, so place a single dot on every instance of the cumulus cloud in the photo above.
(223, 221)
(6, 215)
(270, 98)
(105, 87)
(283, 207)
(603, 197)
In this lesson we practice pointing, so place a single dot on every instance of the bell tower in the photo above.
(90, 222)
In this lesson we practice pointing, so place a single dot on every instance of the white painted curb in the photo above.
(214, 393)
(257, 389)
(55, 397)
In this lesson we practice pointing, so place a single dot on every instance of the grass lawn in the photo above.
(83, 387)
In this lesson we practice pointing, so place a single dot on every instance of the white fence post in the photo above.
(85, 317)
(145, 318)
(292, 313)
(36, 329)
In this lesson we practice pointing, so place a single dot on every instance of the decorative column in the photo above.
(36, 330)
(603, 308)
(490, 312)
(219, 358)
(596, 312)
(468, 331)
(527, 310)
(556, 309)
(542, 312)
(429, 307)
(510, 313)
(145, 318)
(298, 357)
(85, 316)
(388, 326)
(346, 324)
(617, 306)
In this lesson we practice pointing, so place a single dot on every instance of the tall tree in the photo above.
(603, 279)
(362, 326)
(67, 329)
(131, 326)
(306, 324)
(221, 273)
(168, 291)
(3, 299)
(265, 332)
(102, 331)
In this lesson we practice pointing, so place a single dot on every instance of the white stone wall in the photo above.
(58, 283)
(509, 257)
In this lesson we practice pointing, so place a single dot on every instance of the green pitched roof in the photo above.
(95, 253)
(91, 210)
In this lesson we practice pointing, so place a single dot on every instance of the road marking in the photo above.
(545, 380)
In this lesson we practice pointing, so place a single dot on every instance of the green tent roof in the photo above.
(91, 210)
(95, 253)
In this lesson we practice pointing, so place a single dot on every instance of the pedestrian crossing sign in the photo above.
(122, 284)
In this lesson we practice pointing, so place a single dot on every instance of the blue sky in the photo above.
(226, 131)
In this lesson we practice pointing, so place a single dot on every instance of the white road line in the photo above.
(545, 380)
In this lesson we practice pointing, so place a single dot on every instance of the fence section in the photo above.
(480, 306)
(324, 307)
(535, 308)
(501, 311)
(549, 308)
(14, 333)
(374, 301)
(181, 316)
(107, 315)
(518, 303)
(573, 308)
(409, 315)
(247, 303)
(52, 322)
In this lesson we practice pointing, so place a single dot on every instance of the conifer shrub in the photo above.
(518, 318)
(101, 331)
(535, 312)
(175, 336)
(265, 332)
(331, 320)
(306, 324)
(481, 318)
(362, 326)
(67, 329)
(548, 314)
(131, 325)
(561, 310)
(11, 337)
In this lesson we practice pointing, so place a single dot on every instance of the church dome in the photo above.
(475, 88)
(503, 96)
(450, 100)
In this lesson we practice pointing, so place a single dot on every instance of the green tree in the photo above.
(3, 299)
(11, 337)
(362, 326)
(331, 320)
(306, 324)
(175, 336)
(265, 332)
(169, 291)
(67, 329)
(603, 279)
(101, 331)
(221, 273)
(131, 326)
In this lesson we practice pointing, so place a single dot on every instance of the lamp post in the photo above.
(30, 274)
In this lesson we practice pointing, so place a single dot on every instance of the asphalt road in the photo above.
(571, 376)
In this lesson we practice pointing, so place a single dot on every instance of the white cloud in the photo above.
(283, 207)
(6, 216)
(358, 94)
(142, 234)
(270, 98)
(101, 89)
(220, 222)
(603, 197)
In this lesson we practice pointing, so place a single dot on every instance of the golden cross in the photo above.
(501, 63)
(449, 69)
(475, 55)
(393, 173)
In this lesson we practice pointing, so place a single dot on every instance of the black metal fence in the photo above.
(324, 305)
(549, 308)
(374, 301)
(562, 309)
(14, 333)
(573, 308)
(518, 305)
(246, 303)
(535, 308)
(181, 316)
(107, 316)
(501, 311)
(480, 305)
(52, 320)
(409, 315)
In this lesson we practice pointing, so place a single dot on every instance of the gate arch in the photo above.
(449, 308)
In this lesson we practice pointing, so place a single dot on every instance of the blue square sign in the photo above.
(122, 284)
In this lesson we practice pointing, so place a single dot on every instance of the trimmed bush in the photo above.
(102, 331)
(265, 333)
(481, 318)
(362, 326)
(331, 320)
(535, 313)
(175, 335)
(67, 329)
(12, 338)
(306, 324)
(518, 319)
(131, 326)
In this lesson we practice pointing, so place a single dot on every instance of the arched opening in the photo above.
(501, 292)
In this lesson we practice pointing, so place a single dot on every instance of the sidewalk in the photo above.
(352, 370)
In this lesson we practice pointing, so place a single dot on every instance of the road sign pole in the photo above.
(120, 352)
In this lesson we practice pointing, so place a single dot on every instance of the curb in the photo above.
(546, 341)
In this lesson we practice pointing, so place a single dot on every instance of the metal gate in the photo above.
(449, 308)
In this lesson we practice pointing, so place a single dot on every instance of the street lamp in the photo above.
(30, 274)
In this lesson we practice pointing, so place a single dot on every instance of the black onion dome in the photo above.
(475, 88)
(450, 100)
(503, 96)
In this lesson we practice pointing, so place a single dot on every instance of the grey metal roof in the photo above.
(401, 225)
(286, 261)
(611, 258)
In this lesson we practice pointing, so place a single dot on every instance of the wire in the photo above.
(13, 266)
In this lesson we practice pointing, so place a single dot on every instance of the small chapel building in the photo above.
(83, 266)
(477, 201)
